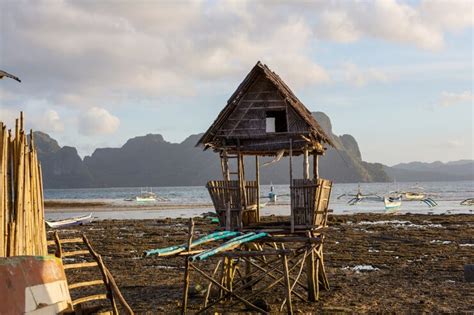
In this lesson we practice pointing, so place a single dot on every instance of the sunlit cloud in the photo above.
(97, 121)
(448, 99)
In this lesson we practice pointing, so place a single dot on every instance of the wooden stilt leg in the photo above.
(322, 270)
(311, 275)
(209, 287)
(289, 305)
(184, 305)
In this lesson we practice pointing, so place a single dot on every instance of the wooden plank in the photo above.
(75, 253)
(90, 298)
(71, 240)
(80, 265)
(85, 284)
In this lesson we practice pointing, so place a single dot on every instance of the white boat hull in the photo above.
(392, 204)
(69, 222)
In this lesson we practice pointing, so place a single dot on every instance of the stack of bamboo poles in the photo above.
(22, 229)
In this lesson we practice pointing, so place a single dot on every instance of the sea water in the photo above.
(195, 200)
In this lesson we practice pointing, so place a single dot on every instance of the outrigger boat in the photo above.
(359, 196)
(146, 196)
(70, 221)
(467, 202)
(417, 194)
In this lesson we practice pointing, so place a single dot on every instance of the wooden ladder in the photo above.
(106, 280)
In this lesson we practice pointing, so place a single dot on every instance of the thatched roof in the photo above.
(315, 133)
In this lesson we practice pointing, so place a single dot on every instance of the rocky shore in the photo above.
(375, 263)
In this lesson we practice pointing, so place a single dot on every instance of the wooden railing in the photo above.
(227, 194)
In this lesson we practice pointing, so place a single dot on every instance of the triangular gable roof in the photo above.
(296, 104)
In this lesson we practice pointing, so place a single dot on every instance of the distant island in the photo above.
(151, 161)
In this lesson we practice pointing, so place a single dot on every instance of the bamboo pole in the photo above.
(19, 187)
(315, 166)
(257, 180)
(184, 305)
(27, 243)
(292, 218)
(306, 164)
(42, 227)
(289, 304)
(2, 190)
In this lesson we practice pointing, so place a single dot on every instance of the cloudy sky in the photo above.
(397, 75)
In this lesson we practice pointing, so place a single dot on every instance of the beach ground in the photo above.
(416, 263)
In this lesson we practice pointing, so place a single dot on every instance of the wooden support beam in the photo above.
(292, 215)
(90, 298)
(184, 305)
(257, 179)
(80, 265)
(85, 284)
(75, 253)
(289, 304)
(306, 164)
(315, 166)
(229, 292)
(312, 275)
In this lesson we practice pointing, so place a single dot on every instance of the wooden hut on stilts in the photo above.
(263, 118)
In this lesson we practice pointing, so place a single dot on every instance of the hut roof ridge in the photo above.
(281, 86)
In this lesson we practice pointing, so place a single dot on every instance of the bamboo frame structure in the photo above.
(22, 228)
(285, 263)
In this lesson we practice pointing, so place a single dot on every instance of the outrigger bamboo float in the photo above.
(262, 118)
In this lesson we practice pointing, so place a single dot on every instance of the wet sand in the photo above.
(416, 263)
(58, 206)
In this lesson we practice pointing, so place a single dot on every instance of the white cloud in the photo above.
(422, 26)
(450, 99)
(49, 121)
(97, 121)
(454, 143)
(73, 53)
(361, 77)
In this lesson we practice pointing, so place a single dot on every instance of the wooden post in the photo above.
(311, 274)
(241, 171)
(2, 190)
(292, 218)
(227, 217)
(315, 165)
(306, 164)
(225, 166)
(289, 305)
(257, 180)
(59, 248)
(184, 306)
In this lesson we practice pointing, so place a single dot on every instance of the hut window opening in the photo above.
(276, 121)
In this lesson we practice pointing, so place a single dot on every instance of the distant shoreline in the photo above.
(59, 206)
